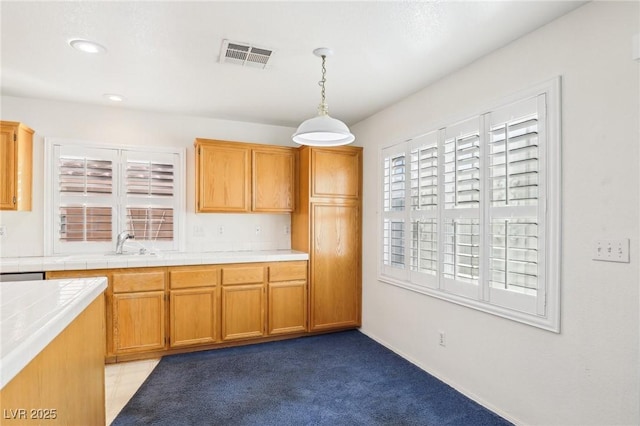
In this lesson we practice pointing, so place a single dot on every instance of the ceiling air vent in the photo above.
(245, 54)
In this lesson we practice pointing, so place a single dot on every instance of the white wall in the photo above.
(589, 373)
(111, 125)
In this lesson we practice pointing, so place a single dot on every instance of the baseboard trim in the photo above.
(451, 383)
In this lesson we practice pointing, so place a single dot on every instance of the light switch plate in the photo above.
(3, 231)
(611, 250)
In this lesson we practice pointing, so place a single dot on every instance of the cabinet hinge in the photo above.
(15, 137)
(14, 200)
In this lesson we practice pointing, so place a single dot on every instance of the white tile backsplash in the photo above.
(239, 232)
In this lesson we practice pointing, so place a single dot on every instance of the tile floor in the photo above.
(122, 380)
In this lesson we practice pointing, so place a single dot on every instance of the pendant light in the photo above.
(323, 130)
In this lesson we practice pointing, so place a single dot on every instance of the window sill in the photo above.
(544, 323)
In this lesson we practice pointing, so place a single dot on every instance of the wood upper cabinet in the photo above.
(194, 306)
(273, 176)
(336, 173)
(287, 298)
(243, 177)
(243, 302)
(16, 164)
(138, 310)
(223, 173)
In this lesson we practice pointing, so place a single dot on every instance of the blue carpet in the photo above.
(333, 379)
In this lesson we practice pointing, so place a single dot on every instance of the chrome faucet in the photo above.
(122, 237)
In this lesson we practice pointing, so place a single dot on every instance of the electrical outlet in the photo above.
(441, 339)
(287, 230)
(611, 250)
(220, 230)
(198, 231)
(3, 231)
(258, 229)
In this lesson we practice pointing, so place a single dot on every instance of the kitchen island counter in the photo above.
(52, 352)
(33, 313)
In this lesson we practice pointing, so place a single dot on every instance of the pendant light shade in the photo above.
(323, 130)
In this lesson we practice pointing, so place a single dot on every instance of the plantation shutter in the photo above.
(516, 138)
(471, 212)
(84, 196)
(149, 198)
(395, 192)
(460, 226)
(423, 177)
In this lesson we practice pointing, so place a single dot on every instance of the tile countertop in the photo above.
(102, 261)
(33, 313)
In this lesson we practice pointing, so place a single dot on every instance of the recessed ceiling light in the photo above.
(113, 97)
(87, 46)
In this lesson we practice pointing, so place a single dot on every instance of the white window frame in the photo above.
(119, 198)
(544, 311)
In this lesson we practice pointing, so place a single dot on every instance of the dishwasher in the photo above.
(22, 276)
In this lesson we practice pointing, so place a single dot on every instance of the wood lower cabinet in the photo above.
(194, 306)
(287, 298)
(138, 321)
(335, 272)
(243, 302)
(155, 311)
(135, 308)
(138, 311)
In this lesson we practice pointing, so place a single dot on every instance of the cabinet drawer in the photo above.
(288, 271)
(246, 275)
(192, 278)
(139, 281)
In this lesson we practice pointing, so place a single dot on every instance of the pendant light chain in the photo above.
(323, 108)
(323, 130)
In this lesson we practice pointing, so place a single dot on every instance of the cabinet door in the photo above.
(138, 321)
(193, 316)
(16, 164)
(7, 168)
(287, 307)
(335, 172)
(335, 284)
(242, 311)
(223, 178)
(273, 180)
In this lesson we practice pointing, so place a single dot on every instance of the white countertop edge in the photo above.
(21, 355)
(83, 262)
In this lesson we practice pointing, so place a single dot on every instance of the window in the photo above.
(96, 192)
(471, 211)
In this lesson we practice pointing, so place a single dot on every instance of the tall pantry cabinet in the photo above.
(327, 223)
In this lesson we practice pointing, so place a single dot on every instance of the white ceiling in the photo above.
(163, 56)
